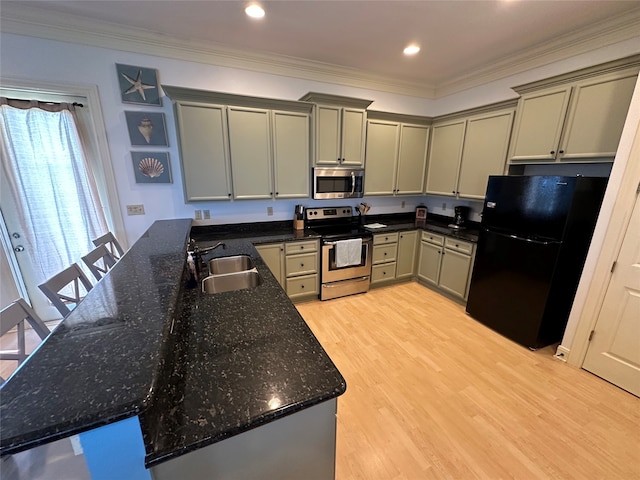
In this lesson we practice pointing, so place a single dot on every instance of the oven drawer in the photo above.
(304, 285)
(385, 253)
(385, 238)
(303, 264)
(291, 248)
(385, 271)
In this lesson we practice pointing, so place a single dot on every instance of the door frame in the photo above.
(615, 215)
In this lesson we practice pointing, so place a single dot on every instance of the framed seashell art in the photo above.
(138, 85)
(151, 167)
(147, 129)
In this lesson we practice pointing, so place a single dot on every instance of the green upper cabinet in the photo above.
(412, 159)
(486, 143)
(291, 154)
(465, 151)
(539, 121)
(250, 148)
(269, 152)
(239, 147)
(444, 157)
(383, 141)
(396, 155)
(204, 151)
(575, 117)
(339, 129)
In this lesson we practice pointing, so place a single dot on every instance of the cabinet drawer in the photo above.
(303, 264)
(458, 245)
(385, 253)
(307, 284)
(386, 271)
(385, 238)
(432, 238)
(300, 247)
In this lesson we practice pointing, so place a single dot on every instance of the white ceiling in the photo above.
(462, 42)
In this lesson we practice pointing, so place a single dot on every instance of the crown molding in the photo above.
(25, 19)
(608, 32)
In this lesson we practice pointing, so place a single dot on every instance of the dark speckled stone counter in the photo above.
(435, 223)
(100, 364)
(196, 368)
(241, 359)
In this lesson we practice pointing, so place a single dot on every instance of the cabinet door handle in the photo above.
(302, 264)
(552, 152)
(561, 151)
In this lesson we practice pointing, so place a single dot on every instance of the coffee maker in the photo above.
(460, 217)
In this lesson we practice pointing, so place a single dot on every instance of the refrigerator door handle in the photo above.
(523, 239)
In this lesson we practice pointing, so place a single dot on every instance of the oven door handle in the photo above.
(364, 242)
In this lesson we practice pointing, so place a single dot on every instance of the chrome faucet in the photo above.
(194, 260)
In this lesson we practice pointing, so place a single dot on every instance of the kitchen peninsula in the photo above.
(197, 370)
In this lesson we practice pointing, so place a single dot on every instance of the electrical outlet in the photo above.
(269, 211)
(207, 214)
(444, 206)
(198, 214)
(135, 209)
(402, 204)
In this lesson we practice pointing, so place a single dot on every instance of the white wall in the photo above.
(58, 62)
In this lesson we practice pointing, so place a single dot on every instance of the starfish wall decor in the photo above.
(138, 85)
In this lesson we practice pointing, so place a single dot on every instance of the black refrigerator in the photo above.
(534, 237)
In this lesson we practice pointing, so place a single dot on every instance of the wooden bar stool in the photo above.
(15, 315)
(99, 260)
(112, 244)
(72, 276)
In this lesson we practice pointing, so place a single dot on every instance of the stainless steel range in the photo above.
(346, 251)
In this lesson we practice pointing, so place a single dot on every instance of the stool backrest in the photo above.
(112, 244)
(15, 315)
(73, 277)
(99, 260)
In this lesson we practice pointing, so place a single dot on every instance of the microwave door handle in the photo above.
(353, 183)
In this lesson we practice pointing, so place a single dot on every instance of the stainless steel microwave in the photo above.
(338, 182)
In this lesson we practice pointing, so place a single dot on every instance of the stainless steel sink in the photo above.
(228, 282)
(236, 263)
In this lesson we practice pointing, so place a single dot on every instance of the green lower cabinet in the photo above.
(406, 258)
(273, 256)
(295, 265)
(385, 251)
(446, 263)
(429, 262)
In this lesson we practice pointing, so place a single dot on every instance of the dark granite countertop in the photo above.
(100, 364)
(196, 368)
(241, 359)
(435, 223)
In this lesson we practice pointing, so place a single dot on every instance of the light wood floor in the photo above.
(431, 393)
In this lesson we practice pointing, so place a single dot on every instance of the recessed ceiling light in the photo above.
(411, 50)
(254, 11)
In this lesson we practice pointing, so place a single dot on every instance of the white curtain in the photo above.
(46, 171)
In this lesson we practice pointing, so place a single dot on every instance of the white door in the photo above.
(614, 350)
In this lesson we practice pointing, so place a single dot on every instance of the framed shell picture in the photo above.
(138, 85)
(151, 167)
(147, 129)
